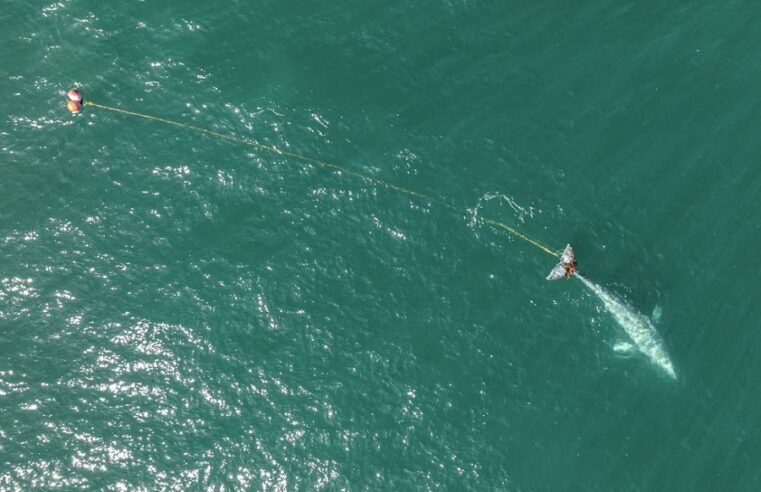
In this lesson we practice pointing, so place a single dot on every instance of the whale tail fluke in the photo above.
(567, 266)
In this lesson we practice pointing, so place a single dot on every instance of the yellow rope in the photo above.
(328, 165)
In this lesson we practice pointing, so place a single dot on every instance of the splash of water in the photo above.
(639, 327)
(521, 212)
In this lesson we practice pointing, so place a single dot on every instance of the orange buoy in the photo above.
(74, 106)
(74, 95)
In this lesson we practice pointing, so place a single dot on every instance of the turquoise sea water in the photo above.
(179, 312)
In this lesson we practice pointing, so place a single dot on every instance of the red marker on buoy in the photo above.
(75, 100)
(74, 95)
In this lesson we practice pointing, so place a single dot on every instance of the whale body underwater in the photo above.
(638, 327)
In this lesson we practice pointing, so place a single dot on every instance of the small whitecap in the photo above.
(623, 347)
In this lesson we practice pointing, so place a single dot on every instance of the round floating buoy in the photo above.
(74, 106)
(74, 95)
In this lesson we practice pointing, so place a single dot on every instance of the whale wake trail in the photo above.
(639, 327)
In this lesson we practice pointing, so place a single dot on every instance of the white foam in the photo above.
(639, 328)
(623, 347)
(521, 212)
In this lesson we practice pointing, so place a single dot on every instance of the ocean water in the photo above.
(181, 312)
